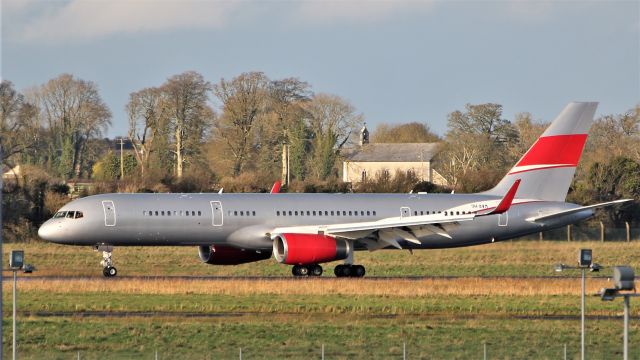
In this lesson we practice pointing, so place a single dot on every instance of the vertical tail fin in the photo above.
(547, 168)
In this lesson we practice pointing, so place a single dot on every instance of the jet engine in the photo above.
(305, 249)
(227, 255)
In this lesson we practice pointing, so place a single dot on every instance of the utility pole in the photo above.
(121, 158)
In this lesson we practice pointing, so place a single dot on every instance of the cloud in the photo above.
(366, 11)
(85, 20)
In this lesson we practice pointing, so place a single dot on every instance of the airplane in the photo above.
(306, 230)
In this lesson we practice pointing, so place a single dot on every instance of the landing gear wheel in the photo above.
(109, 271)
(303, 270)
(315, 270)
(112, 271)
(349, 271)
(300, 270)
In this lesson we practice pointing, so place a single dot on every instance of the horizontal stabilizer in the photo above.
(576, 210)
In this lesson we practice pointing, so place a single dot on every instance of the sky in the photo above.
(395, 61)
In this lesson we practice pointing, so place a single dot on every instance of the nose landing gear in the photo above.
(107, 262)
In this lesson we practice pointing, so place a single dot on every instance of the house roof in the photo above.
(407, 152)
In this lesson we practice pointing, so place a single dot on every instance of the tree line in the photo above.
(191, 134)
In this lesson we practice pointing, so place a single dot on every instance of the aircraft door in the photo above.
(216, 213)
(503, 219)
(405, 211)
(109, 213)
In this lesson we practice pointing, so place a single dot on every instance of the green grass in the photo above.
(300, 337)
(276, 326)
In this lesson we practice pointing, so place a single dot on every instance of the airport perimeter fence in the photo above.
(589, 233)
(494, 349)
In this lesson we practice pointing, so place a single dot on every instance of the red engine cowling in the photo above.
(305, 249)
(227, 255)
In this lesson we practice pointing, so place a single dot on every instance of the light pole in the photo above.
(16, 261)
(623, 279)
(585, 261)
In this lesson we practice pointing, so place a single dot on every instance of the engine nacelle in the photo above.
(305, 249)
(227, 255)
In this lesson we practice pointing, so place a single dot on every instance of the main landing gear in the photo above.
(348, 270)
(107, 261)
(306, 270)
(345, 270)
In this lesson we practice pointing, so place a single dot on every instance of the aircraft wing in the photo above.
(384, 232)
(573, 211)
(345, 229)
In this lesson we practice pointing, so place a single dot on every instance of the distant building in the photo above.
(367, 160)
(9, 174)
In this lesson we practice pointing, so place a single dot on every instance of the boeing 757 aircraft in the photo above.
(305, 230)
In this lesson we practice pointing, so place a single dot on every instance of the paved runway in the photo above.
(27, 277)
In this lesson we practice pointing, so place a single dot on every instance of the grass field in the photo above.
(274, 318)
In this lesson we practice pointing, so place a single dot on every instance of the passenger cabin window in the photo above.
(278, 213)
(253, 213)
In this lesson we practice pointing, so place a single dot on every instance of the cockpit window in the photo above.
(68, 215)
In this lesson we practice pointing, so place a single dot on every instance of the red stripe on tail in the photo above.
(555, 150)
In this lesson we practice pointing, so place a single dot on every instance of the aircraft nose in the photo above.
(49, 232)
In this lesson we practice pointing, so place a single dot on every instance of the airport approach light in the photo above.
(585, 261)
(623, 280)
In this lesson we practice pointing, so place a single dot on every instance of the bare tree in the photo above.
(244, 100)
(148, 118)
(332, 121)
(73, 112)
(18, 123)
(190, 116)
